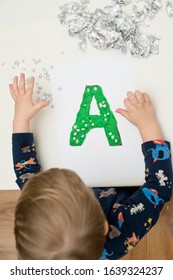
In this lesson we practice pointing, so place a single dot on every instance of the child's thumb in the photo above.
(40, 105)
(122, 112)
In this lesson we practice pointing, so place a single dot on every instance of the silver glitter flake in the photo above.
(114, 27)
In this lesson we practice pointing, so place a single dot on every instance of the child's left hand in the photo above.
(25, 110)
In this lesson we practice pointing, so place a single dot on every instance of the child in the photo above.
(58, 217)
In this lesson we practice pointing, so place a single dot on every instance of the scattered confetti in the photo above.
(42, 89)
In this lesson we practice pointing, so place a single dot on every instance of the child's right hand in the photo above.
(140, 112)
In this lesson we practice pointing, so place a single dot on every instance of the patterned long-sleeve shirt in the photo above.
(129, 221)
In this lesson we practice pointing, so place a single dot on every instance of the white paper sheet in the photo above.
(95, 161)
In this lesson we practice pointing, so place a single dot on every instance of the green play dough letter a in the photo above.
(85, 122)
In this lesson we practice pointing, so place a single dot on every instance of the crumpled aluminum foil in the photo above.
(112, 26)
(169, 8)
(152, 7)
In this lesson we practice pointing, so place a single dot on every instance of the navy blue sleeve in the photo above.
(129, 222)
(24, 157)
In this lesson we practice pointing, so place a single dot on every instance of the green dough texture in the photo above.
(85, 122)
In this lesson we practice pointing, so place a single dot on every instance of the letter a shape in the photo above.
(85, 122)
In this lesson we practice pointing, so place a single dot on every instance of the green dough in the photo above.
(85, 122)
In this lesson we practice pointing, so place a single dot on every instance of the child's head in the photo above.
(58, 217)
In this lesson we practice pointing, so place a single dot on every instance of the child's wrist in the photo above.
(21, 126)
(151, 133)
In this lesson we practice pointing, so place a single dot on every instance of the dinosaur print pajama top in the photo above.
(130, 212)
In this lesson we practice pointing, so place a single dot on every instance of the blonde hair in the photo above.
(58, 217)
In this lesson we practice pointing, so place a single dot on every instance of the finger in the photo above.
(132, 98)
(140, 97)
(31, 85)
(11, 91)
(37, 107)
(15, 86)
(128, 104)
(22, 89)
(123, 113)
(147, 98)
